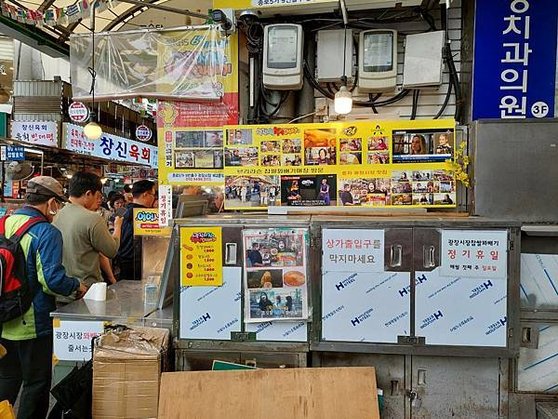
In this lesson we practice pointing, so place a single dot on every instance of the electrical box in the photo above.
(423, 59)
(282, 57)
(377, 60)
(331, 45)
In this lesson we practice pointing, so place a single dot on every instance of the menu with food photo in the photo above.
(275, 274)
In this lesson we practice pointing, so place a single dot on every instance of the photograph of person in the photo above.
(276, 303)
(291, 160)
(285, 247)
(184, 159)
(239, 137)
(378, 158)
(423, 199)
(320, 147)
(401, 199)
(312, 190)
(271, 160)
(365, 192)
(418, 144)
(291, 146)
(270, 146)
(189, 139)
(377, 144)
(251, 191)
(242, 156)
(214, 139)
(350, 144)
(444, 198)
(444, 143)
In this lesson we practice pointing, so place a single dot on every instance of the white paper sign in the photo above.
(475, 253)
(72, 339)
(38, 132)
(365, 307)
(280, 331)
(352, 250)
(212, 312)
(165, 205)
(461, 310)
(539, 280)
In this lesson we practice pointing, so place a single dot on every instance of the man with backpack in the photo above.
(31, 274)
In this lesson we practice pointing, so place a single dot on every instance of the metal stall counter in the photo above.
(431, 302)
(255, 309)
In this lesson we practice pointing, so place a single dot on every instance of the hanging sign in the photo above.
(78, 112)
(143, 133)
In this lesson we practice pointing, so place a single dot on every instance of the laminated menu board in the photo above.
(275, 276)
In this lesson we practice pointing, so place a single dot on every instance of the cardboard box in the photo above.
(127, 366)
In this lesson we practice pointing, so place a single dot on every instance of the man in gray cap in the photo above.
(28, 339)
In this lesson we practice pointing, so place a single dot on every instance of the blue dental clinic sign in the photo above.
(515, 59)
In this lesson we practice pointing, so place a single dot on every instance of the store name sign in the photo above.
(143, 133)
(35, 132)
(78, 112)
(515, 59)
(109, 146)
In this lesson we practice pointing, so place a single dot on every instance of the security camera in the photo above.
(221, 17)
(248, 17)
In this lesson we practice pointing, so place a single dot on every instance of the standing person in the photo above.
(86, 234)
(28, 339)
(129, 255)
(128, 194)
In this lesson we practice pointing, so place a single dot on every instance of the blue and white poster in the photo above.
(515, 59)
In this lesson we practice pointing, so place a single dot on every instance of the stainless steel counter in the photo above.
(124, 304)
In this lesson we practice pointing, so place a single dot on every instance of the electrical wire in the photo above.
(446, 101)
(416, 94)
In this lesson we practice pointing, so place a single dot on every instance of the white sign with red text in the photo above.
(35, 132)
(143, 133)
(72, 338)
(353, 250)
(165, 205)
(475, 253)
(109, 146)
(78, 112)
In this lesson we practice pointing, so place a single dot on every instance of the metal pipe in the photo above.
(167, 9)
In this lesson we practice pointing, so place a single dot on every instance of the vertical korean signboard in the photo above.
(515, 59)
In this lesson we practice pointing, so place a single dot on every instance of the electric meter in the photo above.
(282, 57)
(377, 60)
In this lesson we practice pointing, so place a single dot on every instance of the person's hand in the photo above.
(80, 292)
(118, 222)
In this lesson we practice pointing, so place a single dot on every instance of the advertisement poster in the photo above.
(352, 250)
(212, 312)
(461, 309)
(475, 254)
(201, 261)
(275, 274)
(146, 223)
(388, 163)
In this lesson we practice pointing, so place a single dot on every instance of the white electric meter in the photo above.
(377, 60)
(282, 57)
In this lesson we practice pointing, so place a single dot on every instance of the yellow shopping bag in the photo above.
(6, 411)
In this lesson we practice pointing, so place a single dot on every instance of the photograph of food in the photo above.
(268, 278)
(294, 278)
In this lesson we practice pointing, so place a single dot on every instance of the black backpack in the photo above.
(15, 293)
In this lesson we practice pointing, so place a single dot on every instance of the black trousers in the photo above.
(28, 362)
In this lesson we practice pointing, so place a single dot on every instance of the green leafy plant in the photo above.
(459, 165)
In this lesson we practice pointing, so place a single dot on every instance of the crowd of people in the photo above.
(76, 242)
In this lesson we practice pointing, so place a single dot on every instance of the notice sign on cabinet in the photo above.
(353, 250)
(474, 253)
(72, 339)
(201, 261)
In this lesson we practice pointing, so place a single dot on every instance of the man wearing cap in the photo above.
(28, 339)
(129, 255)
(86, 234)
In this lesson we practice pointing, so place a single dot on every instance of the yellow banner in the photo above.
(201, 261)
(372, 163)
(146, 223)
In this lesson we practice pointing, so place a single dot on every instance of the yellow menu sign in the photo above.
(146, 223)
(201, 261)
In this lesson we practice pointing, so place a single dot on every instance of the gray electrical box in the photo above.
(423, 59)
(330, 50)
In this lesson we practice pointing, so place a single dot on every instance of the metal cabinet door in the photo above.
(360, 305)
(445, 387)
(462, 308)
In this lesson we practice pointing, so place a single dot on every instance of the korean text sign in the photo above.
(37, 133)
(146, 223)
(515, 59)
(475, 254)
(353, 250)
(109, 146)
(72, 339)
(201, 261)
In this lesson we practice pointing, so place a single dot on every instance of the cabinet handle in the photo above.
(396, 251)
(429, 256)
(230, 254)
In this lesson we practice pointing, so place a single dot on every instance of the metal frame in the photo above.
(514, 329)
